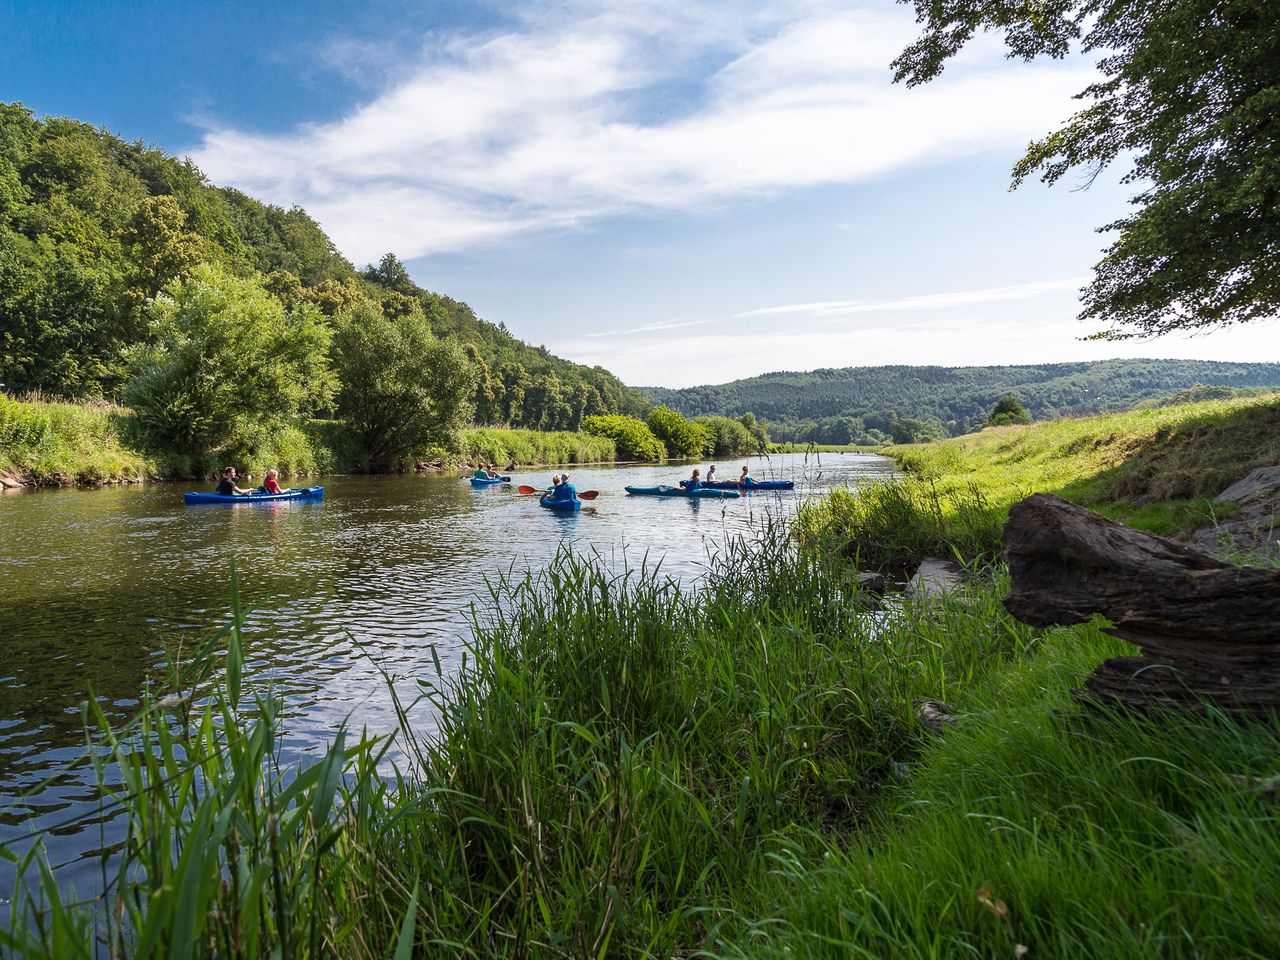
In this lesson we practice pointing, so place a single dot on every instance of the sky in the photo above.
(682, 192)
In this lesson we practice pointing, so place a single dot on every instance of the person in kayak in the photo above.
(746, 478)
(564, 490)
(695, 481)
(227, 485)
(481, 473)
(270, 484)
(711, 474)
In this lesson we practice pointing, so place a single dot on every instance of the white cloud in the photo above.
(930, 301)
(633, 107)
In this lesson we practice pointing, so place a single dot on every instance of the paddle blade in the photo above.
(526, 489)
(588, 494)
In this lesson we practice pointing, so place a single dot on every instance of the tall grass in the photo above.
(51, 443)
(531, 447)
(891, 523)
(1153, 469)
(629, 767)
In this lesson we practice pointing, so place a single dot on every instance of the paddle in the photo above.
(582, 494)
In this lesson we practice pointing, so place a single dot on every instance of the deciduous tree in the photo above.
(1189, 93)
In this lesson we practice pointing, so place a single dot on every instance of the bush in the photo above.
(225, 358)
(631, 437)
(402, 389)
(678, 435)
(725, 437)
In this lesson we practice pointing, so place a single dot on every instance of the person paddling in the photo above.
(227, 485)
(695, 481)
(564, 490)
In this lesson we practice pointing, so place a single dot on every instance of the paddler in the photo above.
(227, 485)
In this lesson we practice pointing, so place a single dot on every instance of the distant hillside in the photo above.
(873, 403)
(91, 226)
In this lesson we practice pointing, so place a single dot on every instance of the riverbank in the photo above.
(1156, 469)
(44, 443)
(754, 768)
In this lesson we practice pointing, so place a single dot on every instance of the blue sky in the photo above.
(682, 192)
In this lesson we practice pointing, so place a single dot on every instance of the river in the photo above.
(96, 584)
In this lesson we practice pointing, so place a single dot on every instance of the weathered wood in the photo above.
(1208, 630)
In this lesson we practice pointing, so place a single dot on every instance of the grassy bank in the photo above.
(1155, 469)
(630, 768)
(63, 443)
(46, 443)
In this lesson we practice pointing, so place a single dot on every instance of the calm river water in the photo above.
(94, 584)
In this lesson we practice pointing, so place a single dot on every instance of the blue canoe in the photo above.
(663, 491)
(564, 506)
(305, 493)
(488, 481)
(753, 485)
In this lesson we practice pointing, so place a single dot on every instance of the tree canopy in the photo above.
(1190, 94)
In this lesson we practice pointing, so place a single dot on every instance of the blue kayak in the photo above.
(663, 491)
(305, 493)
(564, 506)
(488, 481)
(750, 485)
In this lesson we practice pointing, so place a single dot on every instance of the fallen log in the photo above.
(1208, 631)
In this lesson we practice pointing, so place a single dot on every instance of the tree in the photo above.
(1190, 93)
(391, 274)
(159, 246)
(224, 354)
(1007, 410)
(678, 435)
(403, 390)
(632, 438)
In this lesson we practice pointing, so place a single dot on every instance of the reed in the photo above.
(626, 766)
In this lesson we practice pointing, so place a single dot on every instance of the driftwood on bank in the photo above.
(1208, 631)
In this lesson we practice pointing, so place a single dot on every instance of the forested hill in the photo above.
(851, 403)
(92, 226)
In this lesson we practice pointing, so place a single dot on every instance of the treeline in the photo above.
(94, 228)
(904, 404)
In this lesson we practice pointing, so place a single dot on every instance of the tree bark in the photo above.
(1208, 631)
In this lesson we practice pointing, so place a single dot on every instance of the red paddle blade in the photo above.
(527, 489)
(588, 494)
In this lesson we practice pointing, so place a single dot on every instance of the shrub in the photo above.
(678, 435)
(631, 437)
(725, 437)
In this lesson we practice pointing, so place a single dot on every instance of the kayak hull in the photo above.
(305, 493)
(488, 482)
(561, 506)
(700, 493)
(735, 485)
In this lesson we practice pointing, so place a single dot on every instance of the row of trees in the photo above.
(861, 404)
